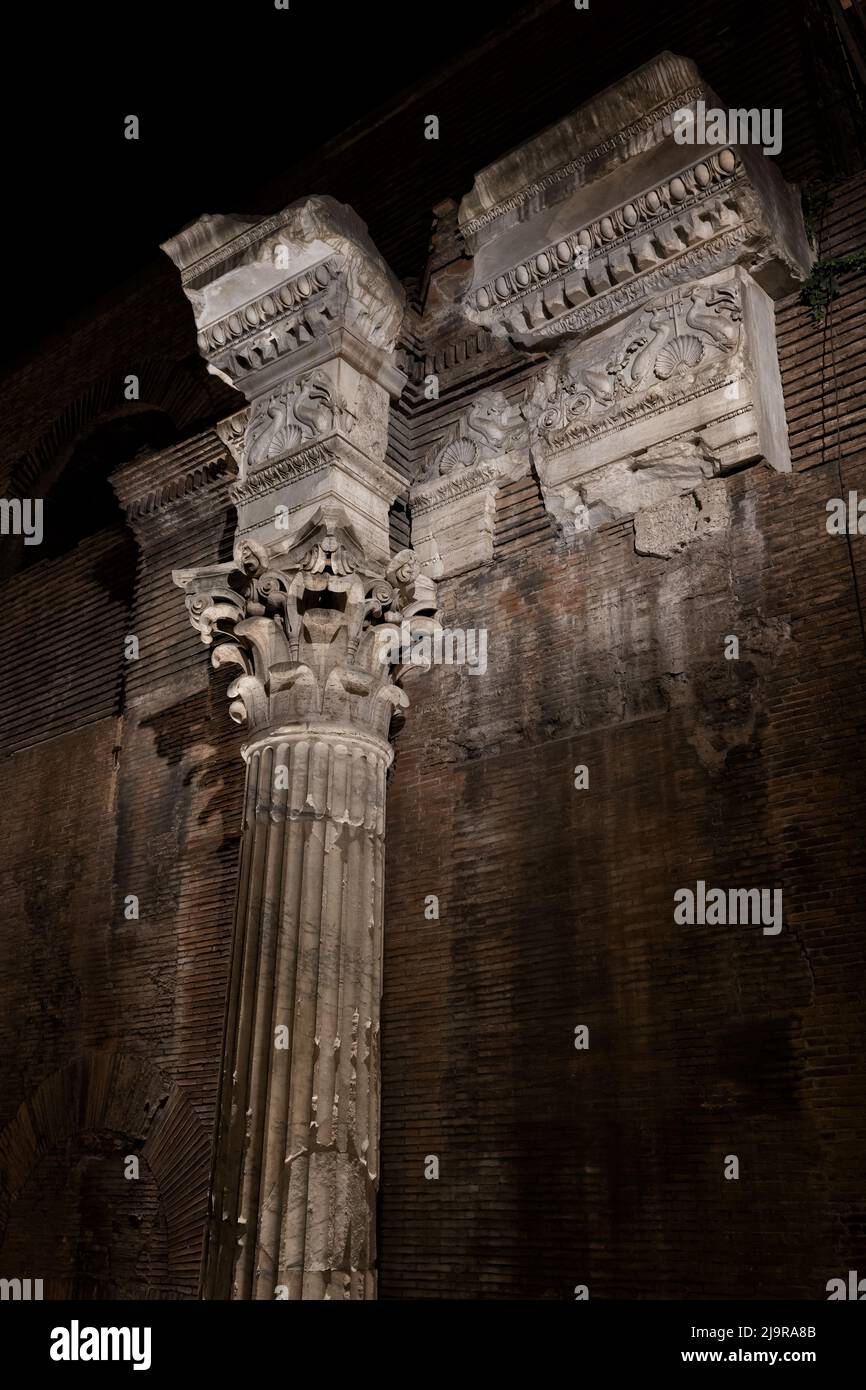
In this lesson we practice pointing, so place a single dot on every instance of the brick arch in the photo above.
(181, 391)
(123, 1094)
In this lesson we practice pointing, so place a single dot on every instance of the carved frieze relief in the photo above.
(687, 388)
(677, 347)
(296, 412)
(454, 501)
(491, 426)
(570, 244)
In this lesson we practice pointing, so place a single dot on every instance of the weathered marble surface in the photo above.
(578, 226)
(300, 313)
(639, 273)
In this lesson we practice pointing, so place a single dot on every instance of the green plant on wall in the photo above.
(822, 285)
(816, 196)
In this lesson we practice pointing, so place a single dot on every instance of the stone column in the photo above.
(296, 1166)
(300, 312)
(304, 1116)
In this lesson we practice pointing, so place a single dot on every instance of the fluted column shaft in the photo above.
(296, 1167)
(300, 313)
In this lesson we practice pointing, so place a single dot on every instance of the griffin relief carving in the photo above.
(663, 355)
(489, 428)
(297, 412)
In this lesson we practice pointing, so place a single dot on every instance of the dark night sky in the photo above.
(234, 98)
(226, 95)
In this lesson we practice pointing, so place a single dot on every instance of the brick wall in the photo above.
(557, 1167)
(605, 1167)
(120, 778)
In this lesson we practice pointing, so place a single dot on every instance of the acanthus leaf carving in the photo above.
(303, 619)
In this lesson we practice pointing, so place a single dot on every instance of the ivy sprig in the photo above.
(823, 285)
